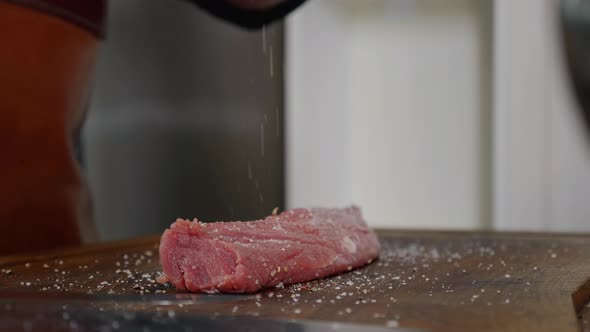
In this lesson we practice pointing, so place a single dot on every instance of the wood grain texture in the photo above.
(437, 281)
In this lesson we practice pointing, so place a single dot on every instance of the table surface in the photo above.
(435, 281)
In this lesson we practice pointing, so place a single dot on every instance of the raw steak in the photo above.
(239, 257)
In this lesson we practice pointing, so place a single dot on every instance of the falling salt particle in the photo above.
(348, 310)
(264, 39)
(349, 268)
(507, 301)
(553, 255)
(45, 266)
(278, 124)
(27, 283)
(297, 311)
(280, 285)
(507, 276)
(262, 139)
(27, 265)
(271, 60)
(250, 175)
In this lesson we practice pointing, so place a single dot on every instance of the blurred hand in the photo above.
(255, 4)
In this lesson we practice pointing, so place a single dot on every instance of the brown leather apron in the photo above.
(47, 57)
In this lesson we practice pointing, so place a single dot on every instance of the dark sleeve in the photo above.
(252, 19)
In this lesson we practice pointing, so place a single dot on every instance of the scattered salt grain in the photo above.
(392, 323)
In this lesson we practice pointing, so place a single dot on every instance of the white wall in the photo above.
(542, 155)
(388, 107)
(391, 106)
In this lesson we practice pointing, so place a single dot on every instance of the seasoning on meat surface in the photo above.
(242, 257)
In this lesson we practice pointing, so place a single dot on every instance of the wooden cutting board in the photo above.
(437, 281)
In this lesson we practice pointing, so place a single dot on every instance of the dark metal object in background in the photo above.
(249, 18)
(186, 120)
(575, 17)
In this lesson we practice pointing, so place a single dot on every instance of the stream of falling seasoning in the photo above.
(268, 53)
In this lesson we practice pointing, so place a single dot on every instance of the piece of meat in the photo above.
(240, 257)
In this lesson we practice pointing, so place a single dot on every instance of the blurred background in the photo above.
(426, 113)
